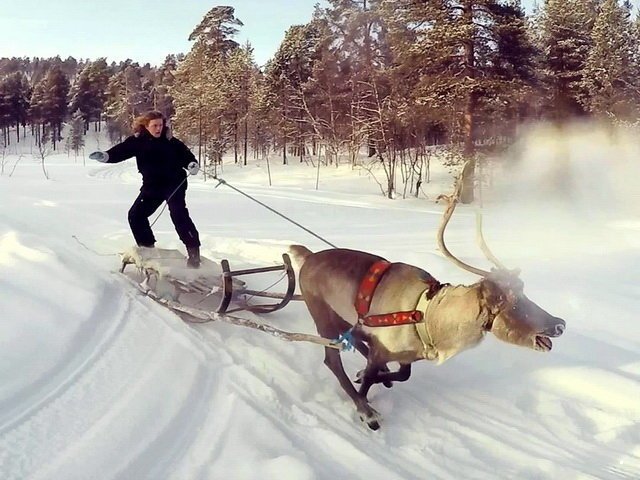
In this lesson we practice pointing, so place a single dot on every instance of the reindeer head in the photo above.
(512, 317)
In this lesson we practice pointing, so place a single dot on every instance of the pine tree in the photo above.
(473, 59)
(55, 101)
(5, 111)
(200, 89)
(610, 78)
(266, 116)
(241, 70)
(327, 96)
(36, 104)
(199, 100)
(163, 79)
(187, 92)
(89, 91)
(565, 40)
(358, 30)
(16, 95)
(216, 31)
(125, 99)
(286, 75)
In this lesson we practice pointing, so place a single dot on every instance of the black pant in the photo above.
(147, 203)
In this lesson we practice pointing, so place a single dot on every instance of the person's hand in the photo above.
(193, 168)
(100, 156)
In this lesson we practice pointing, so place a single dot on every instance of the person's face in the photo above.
(155, 127)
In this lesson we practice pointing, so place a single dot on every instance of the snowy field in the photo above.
(97, 381)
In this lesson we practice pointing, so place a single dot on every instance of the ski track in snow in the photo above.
(117, 376)
(135, 393)
(429, 419)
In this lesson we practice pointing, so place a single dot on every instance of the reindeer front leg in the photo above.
(369, 377)
(361, 346)
(376, 373)
(387, 377)
(367, 413)
(383, 370)
(377, 370)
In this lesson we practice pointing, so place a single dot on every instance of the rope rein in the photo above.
(166, 202)
(91, 249)
(221, 181)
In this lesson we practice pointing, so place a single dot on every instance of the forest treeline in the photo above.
(393, 77)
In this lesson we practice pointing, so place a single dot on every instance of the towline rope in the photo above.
(221, 181)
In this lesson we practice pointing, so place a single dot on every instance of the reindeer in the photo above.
(398, 312)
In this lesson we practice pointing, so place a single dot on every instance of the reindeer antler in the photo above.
(483, 245)
(452, 202)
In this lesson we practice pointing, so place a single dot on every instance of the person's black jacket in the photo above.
(161, 161)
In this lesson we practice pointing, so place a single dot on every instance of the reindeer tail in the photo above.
(299, 254)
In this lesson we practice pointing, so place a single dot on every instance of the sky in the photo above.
(97, 381)
(145, 31)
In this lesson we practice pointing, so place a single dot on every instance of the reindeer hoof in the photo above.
(373, 425)
(384, 369)
(372, 418)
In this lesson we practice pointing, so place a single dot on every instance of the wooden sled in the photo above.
(165, 272)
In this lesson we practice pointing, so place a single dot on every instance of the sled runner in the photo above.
(211, 288)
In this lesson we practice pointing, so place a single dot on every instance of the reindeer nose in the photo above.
(557, 329)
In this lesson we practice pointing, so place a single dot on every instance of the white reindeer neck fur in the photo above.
(451, 331)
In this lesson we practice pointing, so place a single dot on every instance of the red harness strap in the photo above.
(365, 295)
(391, 319)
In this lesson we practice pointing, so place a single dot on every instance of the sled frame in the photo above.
(227, 286)
(228, 293)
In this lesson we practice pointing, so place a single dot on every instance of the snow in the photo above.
(98, 381)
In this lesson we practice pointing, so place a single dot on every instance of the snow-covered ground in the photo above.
(97, 381)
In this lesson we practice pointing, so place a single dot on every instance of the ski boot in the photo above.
(193, 260)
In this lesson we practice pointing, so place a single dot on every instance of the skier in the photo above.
(162, 160)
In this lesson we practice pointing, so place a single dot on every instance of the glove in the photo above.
(100, 156)
(193, 168)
